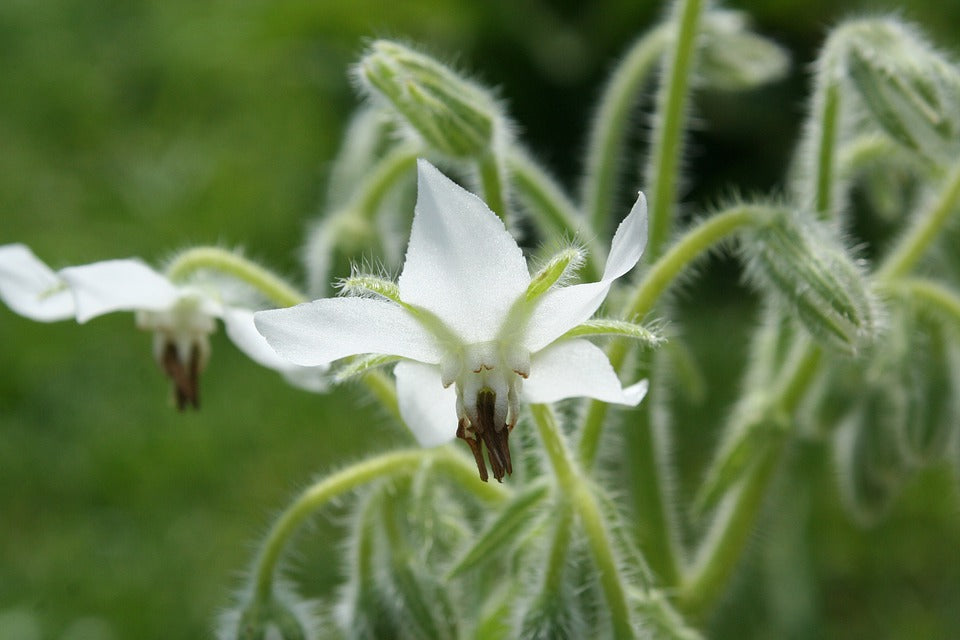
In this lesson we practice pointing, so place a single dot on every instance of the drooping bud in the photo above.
(732, 58)
(283, 616)
(929, 375)
(871, 467)
(803, 263)
(450, 113)
(910, 89)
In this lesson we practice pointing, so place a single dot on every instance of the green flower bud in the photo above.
(802, 262)
(733, 59)
(930, 375)
(871, 467)
(279, 617)
(911, 91)
(450, 113)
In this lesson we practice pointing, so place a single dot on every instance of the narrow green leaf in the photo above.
(513, 517)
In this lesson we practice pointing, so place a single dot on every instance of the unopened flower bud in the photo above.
(450, 113)
(911, 91)
(871, 467)
(803, 263)
(733, 58)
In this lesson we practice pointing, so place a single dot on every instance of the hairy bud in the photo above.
(911, 91)
(802, 262)
(451, 114)
(733, 59)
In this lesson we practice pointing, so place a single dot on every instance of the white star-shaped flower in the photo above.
(180, 317)
(474, 334)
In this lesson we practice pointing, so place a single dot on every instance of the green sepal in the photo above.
(361, 283)
(559, 268)
(616, 329)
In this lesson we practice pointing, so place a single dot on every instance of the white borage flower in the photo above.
(180, 317)
(473, 330)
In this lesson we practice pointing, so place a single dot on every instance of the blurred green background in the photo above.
(136, 128)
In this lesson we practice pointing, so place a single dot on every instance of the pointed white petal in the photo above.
(242, 332)
(118, 285)
(428, 409)
(560, 310)
(322, 331)
(577, 368)
(31, 288)
(461, 262)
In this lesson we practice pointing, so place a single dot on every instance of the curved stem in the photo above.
(608, 134)
(577, 491)
(383, 390)
(669, 125)
(492, 183)
(322, 492)
(382, 178)
(731, 527)
(690, 247)
(544, 197)
(228, 263)
(924, 231)
(934, 295)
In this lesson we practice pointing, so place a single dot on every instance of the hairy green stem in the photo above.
(319, 494)
(691, 246)
(608, 134)
(388, 171)
(384, 390)
(231, 264)
(559, 549)
(934, 296)
(492, 183)
(723, 545)
(576, 489)
(826, 151)
(544, 197)
(924, 231)
(664, 164)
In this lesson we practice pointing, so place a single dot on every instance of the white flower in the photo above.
(180, 317)
(473, 334)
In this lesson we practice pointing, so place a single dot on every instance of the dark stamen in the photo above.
(494, 436)
(185, 376)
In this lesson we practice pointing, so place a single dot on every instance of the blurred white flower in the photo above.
(180, 317)
(472, 331)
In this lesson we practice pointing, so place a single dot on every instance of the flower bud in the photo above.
(451, 114)
(274, 618)
(929, 373)
(733, 59)
(911, 91)
(802, 262)
(871, 467)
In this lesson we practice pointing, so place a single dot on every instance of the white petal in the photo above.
(31, 288)
(118, 285)
(559, 310)
(322, 331)
(241, 330)
(428, 409)
(577, 368)
(461, 262)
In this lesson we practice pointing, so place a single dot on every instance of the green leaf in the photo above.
(497, 534)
